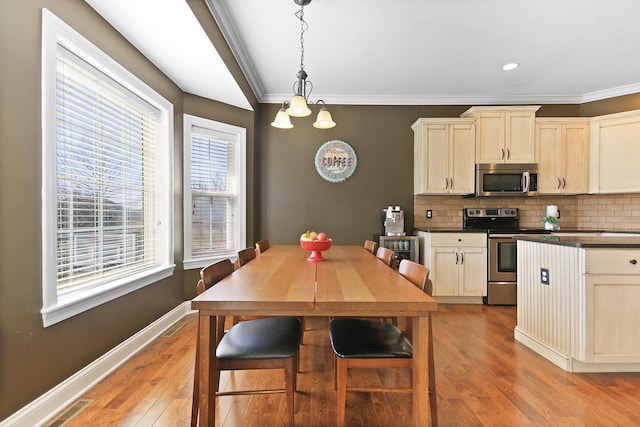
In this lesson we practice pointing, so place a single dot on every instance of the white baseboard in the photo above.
(458, 300)
(568, 363)
(561, 360)
(55, 400)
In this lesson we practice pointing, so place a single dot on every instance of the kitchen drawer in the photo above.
(459, 239)
(612, 261)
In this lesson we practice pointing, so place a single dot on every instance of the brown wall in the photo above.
(294, 198)
(34, 359)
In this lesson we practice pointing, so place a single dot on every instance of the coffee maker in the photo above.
(394, 221)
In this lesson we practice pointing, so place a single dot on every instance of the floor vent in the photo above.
(73, 410)
(173, 329)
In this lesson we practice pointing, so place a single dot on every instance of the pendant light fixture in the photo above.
(300, 106)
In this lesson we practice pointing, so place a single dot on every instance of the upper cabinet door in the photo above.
(614, 153)
(431, 141)
(491, 137)
(444, 152)
(562, 146)
(520, 140)
(575, 157)
(462, 144)
(548, 136)
(504, 134)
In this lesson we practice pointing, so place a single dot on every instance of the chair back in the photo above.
(429, 290)
(370, 245)
(245, 255)
(385, 255)
(416, 273)
(262, 246)
(200, 287)
(213, 273)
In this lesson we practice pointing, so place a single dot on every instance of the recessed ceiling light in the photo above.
(510, 66)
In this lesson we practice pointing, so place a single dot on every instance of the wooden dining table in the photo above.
(281, 282)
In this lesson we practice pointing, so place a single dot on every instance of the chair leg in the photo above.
(433, 398)
(341, 375)
(196, 377)
(290, 367)
(334, 365)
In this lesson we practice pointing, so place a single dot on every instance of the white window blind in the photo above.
(107, 177)
(215, 194)
(105, 174)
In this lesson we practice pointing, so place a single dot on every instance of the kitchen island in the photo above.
(579, 300)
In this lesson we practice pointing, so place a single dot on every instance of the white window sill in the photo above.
(69, 306)
(198, 263)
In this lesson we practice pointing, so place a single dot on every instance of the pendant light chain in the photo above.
(303, 27)
(302, 88)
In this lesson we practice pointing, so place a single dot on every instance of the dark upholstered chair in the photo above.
(209, 276)
(268, 343)
(363, 343)
(370, 245)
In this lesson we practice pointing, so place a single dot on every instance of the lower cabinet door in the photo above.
(473, 276)
(444, 271)
(611, 318)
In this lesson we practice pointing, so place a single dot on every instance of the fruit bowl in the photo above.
(316, 247)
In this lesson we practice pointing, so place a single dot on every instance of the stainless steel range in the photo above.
(500, 224)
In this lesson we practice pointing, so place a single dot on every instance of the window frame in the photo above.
(239, 136)
(56, 307)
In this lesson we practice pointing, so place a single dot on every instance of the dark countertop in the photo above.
(587, 242)
(562, 230)
(447, 230)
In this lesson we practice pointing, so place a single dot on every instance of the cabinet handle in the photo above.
(451, 183)
(633, 262)
(559, 184)
(502, 155)
(564, 183)
(461, 258)
(456, 258)
(446, 183)
(508, 154)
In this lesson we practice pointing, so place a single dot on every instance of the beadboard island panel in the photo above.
(578, 299)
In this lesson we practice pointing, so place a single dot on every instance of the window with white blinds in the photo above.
(105, 189)
(105, 174)
(214, 191)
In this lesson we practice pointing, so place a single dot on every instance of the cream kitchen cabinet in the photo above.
(444, 153)
(504, 134)
(562, 147)
(458, 263)
(614, 153)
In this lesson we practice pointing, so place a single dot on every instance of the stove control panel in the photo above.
(491, 213)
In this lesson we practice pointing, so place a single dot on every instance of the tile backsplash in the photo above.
(619, 212)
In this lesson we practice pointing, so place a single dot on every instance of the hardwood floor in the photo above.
(484, 378)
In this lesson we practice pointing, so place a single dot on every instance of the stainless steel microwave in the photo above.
(506, 179)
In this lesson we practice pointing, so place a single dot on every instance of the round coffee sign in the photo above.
(336, 161)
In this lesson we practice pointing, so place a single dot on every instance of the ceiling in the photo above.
(407, 52)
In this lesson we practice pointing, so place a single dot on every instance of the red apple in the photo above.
(322, 236)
